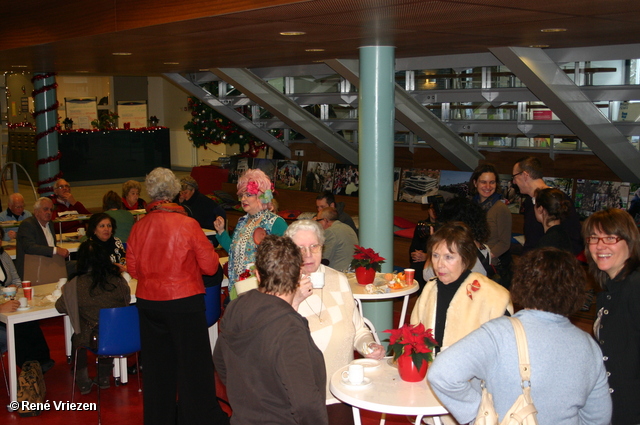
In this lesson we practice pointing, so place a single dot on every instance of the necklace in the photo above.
(319, 314)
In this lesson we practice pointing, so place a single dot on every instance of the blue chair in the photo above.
(118, 337)
(212, 312)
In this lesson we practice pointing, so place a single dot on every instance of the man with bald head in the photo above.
(15, 212)
(63, 201)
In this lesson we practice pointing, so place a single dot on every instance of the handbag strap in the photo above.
(523, 350)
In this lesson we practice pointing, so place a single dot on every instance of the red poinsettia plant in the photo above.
(412, 341)
(367, 258)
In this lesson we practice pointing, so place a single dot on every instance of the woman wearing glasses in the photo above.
(334, 320)
(613, 249)
(255, 194)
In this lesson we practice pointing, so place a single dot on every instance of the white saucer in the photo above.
(23, 308)
(368, 364)
(364, 383)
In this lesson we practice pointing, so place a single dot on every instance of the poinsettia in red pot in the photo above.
(366, 262)
(412, 348)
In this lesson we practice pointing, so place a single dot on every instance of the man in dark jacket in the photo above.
(326, 199)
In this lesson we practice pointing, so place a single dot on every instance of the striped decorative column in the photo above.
(46, 117)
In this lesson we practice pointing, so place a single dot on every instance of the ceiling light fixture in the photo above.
(539, 46)
(121, 54)
(19, 66)
(292, 33)
(171, 63)
(553, 30)
(314, 50)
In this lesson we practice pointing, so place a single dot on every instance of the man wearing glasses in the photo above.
(527, 175)
(339, 239)
(63, 201)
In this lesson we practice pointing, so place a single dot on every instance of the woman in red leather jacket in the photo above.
(168, 253)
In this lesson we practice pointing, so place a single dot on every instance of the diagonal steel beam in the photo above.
(553, 87)
(288, 111)
(419, 120)
(229, 112)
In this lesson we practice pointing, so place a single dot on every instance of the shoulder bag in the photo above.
(522, 412)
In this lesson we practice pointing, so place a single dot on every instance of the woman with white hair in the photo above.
(168, 253)
(335, 322)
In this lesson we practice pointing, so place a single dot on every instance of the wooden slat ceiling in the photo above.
(72, 36)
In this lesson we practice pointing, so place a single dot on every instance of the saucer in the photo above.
(23, 308)
(364, 383)
(368, 364)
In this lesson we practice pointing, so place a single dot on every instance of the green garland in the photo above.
(209, 127)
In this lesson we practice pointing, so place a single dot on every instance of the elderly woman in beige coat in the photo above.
(457, 301)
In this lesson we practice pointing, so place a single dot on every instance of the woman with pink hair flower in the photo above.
(255, 192)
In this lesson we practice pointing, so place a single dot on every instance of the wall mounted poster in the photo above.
(237, 167)
(454, 183)
(595, 195)
(82, 111)
(133, 112)
(288, 175)
(318, 177)
(417, 184)
(346, 180)
(268, 166)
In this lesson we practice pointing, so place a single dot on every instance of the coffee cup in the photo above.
(354, 374)
(9, 293)
(82, 231)
(28, 293)
(409, 274)
(26, 284)
(23, 302)
(317, 280)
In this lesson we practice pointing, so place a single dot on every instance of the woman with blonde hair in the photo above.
(255, 192)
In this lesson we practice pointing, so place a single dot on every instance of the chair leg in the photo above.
(4, 373)
(99, 411)
(75, 370)
(138, 363)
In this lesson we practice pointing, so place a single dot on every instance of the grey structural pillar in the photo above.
(376, 156)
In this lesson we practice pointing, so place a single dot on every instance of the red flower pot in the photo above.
(365, 276)
(408, 370)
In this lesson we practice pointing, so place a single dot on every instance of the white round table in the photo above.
(388, 393)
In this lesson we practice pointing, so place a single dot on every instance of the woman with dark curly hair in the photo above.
(549, 284)
(471, 214)
(612, 244)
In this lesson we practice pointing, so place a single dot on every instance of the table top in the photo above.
(387, 392)
(43, 307)
(360, 292)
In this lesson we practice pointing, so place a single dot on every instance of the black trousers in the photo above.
(179, 385)
(30, 343)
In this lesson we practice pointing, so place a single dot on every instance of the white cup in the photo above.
(23, 302)
(317, 280)
(9, 293)
(82, 231)
(355, 374)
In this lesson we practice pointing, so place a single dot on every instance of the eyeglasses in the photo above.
(64, 186)
(516, 175)
(313, 249)
(320, 219)
(607, 240)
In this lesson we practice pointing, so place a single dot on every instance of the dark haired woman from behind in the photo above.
(99, 284)
(613, 250)
(568, 380)
(551, 208)
(265, 347)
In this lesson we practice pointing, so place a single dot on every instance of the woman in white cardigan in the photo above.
(457, 301)
(335, 322)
